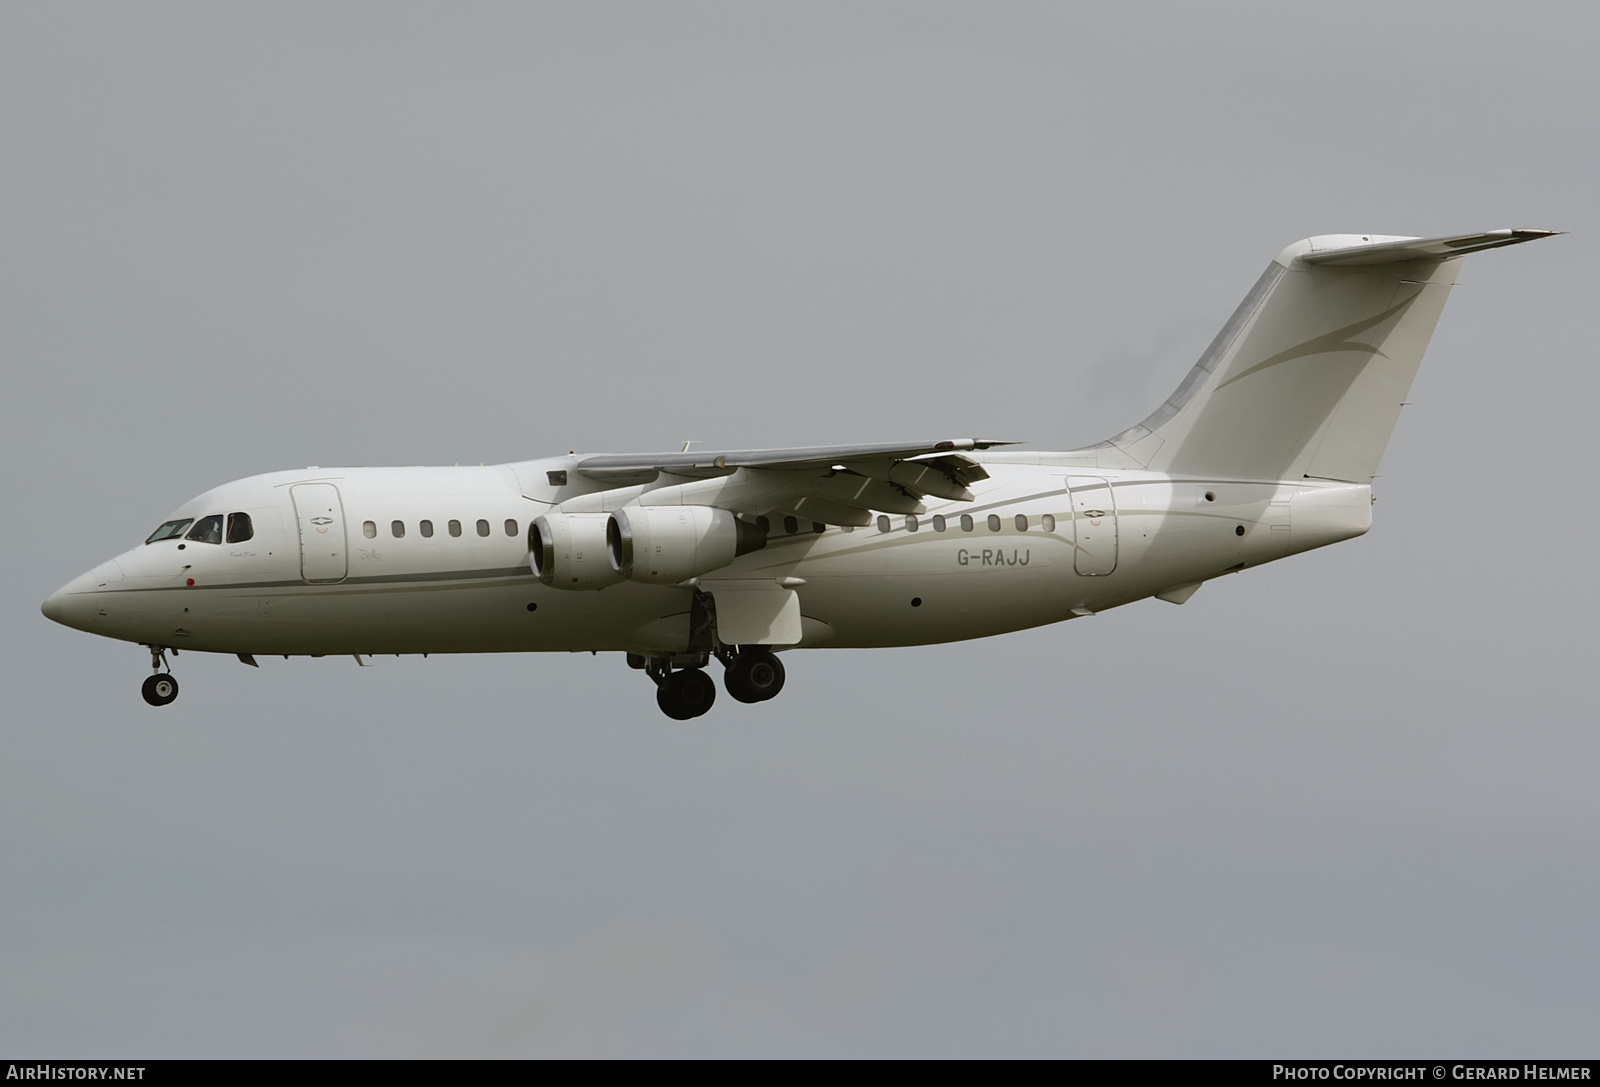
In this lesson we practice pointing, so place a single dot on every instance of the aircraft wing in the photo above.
(833, 484)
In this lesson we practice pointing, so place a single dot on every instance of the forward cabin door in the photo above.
(1094, 525)
(320, 515)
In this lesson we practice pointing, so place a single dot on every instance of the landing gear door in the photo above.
(320, 517)
(1094, 525)
(755, 612)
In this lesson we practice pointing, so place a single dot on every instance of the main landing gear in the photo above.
(752, 673)
(686, 693)
(161, 688)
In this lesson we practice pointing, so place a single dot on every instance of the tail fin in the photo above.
(1307, 377)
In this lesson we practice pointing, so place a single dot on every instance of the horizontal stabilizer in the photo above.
(1399, 250)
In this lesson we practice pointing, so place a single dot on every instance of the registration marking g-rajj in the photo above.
(1268, 448)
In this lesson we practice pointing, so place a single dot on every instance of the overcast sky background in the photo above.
(1341, 805)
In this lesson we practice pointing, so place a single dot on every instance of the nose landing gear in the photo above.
(161, 688)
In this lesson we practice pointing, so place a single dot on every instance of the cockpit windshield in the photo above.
(239, 528)
(207, 530)
(170, 530)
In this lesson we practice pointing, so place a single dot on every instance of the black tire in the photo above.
(755, 676)
(685, 695)
(159, 689)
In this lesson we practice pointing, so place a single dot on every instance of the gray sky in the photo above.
(1341, 805)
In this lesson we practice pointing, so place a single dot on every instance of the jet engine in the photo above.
(568, 551)
(663, 545)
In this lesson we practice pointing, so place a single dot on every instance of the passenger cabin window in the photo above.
(169, 531)
(511, 528)
(938, 522)
(455, 528)
(239, 527)
(397, 529)
(1048, 522)
(483, 527)
(207, 530)
(791, 525)
(1022, 522)
(369, 530)
(994, 522)
(883, 523)
(911, 522)
(966, 522)
(426, 528)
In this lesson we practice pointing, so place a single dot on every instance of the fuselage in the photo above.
(436, 560)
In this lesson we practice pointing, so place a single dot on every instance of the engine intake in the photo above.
(663, 545)
(568, 551)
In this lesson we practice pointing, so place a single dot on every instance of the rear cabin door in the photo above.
(320, 515)
(1094, 525)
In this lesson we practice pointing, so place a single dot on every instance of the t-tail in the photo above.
(1306, 379)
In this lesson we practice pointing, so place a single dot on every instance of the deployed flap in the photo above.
(754, 611)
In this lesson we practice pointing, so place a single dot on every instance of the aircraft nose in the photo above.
(73, 605)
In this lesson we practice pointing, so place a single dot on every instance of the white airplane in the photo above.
(1268, 448)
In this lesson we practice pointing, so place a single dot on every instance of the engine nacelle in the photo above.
(568, 551)
(663, 545)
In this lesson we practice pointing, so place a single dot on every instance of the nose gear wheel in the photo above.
(160, 689)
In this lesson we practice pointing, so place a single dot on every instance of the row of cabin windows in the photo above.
(397, 529)
(940, 523)
(791, 525)
(208, 529)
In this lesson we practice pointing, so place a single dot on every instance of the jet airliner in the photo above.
(1268, 448)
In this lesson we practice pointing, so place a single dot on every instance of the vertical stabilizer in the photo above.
(1307, 378)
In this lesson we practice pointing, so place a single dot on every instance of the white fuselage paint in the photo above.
(310, 581)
